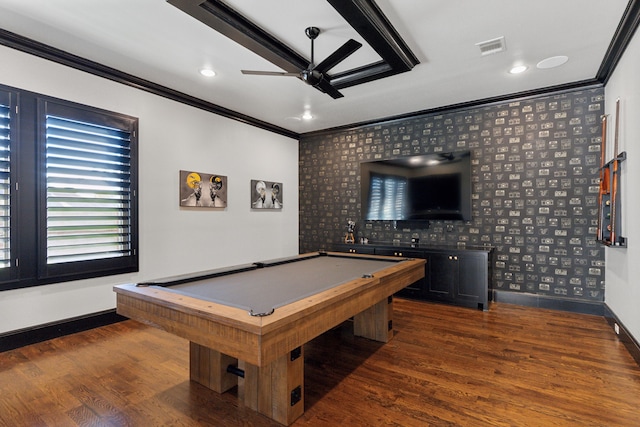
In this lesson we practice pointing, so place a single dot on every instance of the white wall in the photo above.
(173, 240)
(622, 277)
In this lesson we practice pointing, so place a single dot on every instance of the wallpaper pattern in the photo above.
(535, 179)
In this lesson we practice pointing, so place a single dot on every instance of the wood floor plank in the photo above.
(445, 366)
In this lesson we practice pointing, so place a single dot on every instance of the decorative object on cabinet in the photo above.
(266, 194)
(351, 228)
(203, 190)
(609, 199)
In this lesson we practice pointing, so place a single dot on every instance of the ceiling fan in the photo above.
(315, 75)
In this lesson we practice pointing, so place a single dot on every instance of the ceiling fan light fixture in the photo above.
(307, 115)
(207, 72)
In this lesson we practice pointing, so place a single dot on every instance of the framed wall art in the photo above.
(204, 190)
(266, 194)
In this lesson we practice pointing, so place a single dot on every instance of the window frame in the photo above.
(28, 201)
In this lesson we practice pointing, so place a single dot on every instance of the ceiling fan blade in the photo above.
(326, 87)
(269, 73)
(338, 56)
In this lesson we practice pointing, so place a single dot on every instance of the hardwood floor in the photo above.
(446, 366)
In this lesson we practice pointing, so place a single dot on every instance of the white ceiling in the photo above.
(154, 40)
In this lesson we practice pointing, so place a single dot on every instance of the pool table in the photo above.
(247, 324)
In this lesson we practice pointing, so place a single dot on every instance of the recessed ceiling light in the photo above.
(207, 72)
(518, 69)
(552, 62)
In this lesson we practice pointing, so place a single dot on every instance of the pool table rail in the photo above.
(260, 340)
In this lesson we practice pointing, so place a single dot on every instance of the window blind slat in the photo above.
(68, 175)
(78, 127)
(74, 194)
(73, 145)
(87, 256)
(4, 121)
(100, 160)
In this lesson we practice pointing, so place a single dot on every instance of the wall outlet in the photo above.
(616, 328)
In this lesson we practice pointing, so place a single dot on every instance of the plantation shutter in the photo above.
(88, 191)
(5, 183)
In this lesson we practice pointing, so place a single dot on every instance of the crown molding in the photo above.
(50, 53)
(621, 39)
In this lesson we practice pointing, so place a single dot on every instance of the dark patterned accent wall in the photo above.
(535, 181)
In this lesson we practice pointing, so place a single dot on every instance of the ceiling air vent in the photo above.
(492, 46)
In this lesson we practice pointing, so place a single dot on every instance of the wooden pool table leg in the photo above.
(275, 390)
(375, 322)
(209, 368)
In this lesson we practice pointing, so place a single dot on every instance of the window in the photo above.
(68, 184)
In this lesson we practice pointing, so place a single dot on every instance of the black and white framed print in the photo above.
(266, 194)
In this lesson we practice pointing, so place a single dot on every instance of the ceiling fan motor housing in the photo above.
(311, 77)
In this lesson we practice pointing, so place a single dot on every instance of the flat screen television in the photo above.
(425, 187)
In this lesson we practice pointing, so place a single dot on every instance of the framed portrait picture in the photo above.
(203, 190)
(266, 194)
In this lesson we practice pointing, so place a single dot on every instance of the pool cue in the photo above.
(604, 177)
(615, 177)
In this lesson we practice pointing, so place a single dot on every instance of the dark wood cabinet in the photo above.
(459, 276)
(471, 288)
(415, 290)
(442, 277)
